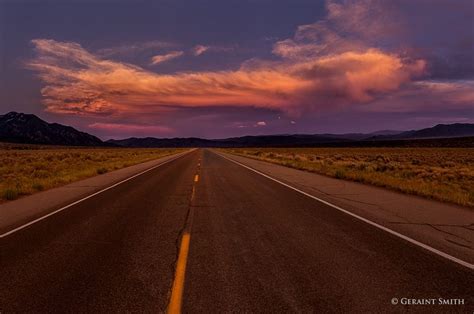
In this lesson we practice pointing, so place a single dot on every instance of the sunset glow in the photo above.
(359, 58)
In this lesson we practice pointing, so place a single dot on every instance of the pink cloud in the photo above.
(80, 82)
(163, 58)
(117, 128)
(320, 67)
(364, 19)
(200, 49)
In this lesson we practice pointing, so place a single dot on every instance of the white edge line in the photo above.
(92, 195)
(413, 241)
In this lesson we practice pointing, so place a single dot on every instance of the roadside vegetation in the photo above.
(445, 174)
(26, 169)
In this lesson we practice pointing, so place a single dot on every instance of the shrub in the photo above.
(471, 197)
(102, 170)
(38, 186)
(381, 168)
(340, 174)
(41, 174)
(10, 194)
(415, 162)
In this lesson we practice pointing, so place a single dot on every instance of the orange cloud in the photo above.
(318, 68)
(80, 82)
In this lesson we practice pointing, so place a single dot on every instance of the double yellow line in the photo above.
(176, 300)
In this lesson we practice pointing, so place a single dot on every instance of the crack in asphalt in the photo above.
(186, 228)
(468, 227)
(355, 201)
(437, 228)
(457, 243)
(177, 244)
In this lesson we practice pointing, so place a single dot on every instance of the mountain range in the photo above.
(29, 129)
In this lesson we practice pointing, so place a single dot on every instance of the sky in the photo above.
(215, 69)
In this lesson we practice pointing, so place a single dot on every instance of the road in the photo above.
(252, 245)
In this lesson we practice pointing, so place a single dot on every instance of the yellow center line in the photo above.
(193, 193)
(176, 299)
(174, 306)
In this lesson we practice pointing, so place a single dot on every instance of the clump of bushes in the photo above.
(102, 170)
(10, 194)
(38, 186)
(340, 174)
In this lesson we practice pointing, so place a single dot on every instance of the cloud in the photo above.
(411, 28)
(162, 58)
(134, 48)
(200, 49)
(82, 83)
(130, 129)
(261, 123)
(428, 96)
(314, 40)
(351, 59)
(367, 20)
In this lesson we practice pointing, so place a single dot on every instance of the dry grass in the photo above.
(26, 169)
(445, 174)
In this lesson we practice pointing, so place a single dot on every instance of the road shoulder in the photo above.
(448, 228)
(16, 213)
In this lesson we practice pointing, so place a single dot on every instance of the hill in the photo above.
(29, 129)
(438, 131)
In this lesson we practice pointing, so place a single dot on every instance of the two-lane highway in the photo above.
(253, 246)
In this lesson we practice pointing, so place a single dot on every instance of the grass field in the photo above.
(26, 169)
(445, 174)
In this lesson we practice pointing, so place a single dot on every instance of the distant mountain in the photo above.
(385, 132)
(244, 141)
(29, 129)
(445, 130)
(282, 140)
(162, 142)
(438, 131)
(381, 138)
(360, 136)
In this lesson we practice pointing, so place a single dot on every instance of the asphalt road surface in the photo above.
(252, 245)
